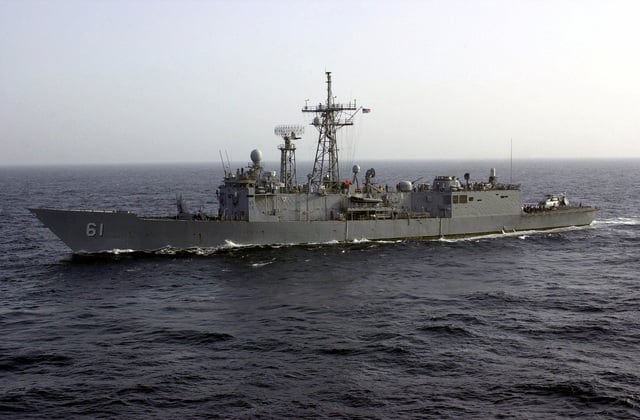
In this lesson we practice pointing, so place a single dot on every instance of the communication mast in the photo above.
(288, 154)
(329, 118)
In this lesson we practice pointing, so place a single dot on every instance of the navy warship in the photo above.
(260, 207)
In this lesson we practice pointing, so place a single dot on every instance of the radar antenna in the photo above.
(288, 154)
(330, 116)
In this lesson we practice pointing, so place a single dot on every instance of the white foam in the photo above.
(262, 264)
(231, 244)
(619, 221)
(521, 234)
(117, 251)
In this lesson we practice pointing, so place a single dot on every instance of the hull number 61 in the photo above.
(94, 229)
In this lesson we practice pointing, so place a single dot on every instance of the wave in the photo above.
(447, 329)
(231, 244)
(26, 361)
(117, 251)
(262, 264)
(581, 390)
(187, 336)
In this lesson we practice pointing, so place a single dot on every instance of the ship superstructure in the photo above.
(258, 207)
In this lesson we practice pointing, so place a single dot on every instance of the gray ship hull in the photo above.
(105, 231)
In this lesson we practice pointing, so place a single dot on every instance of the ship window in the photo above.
(470, 198)
(463, 199)
(455, 199)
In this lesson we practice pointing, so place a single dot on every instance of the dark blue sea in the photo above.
(527, 325)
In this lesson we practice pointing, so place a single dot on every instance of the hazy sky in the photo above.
(178, 81)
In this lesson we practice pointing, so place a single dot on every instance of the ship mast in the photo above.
(329, 118)
(288, 154)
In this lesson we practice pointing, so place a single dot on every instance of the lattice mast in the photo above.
(329, 118)
(288, 154)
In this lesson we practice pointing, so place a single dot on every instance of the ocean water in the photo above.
(527, 325)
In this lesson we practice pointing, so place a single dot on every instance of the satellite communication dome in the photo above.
(256, 156)
(405, 186)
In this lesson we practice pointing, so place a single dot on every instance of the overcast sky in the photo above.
(178, 81)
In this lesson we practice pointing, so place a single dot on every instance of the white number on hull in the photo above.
(94, 229)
